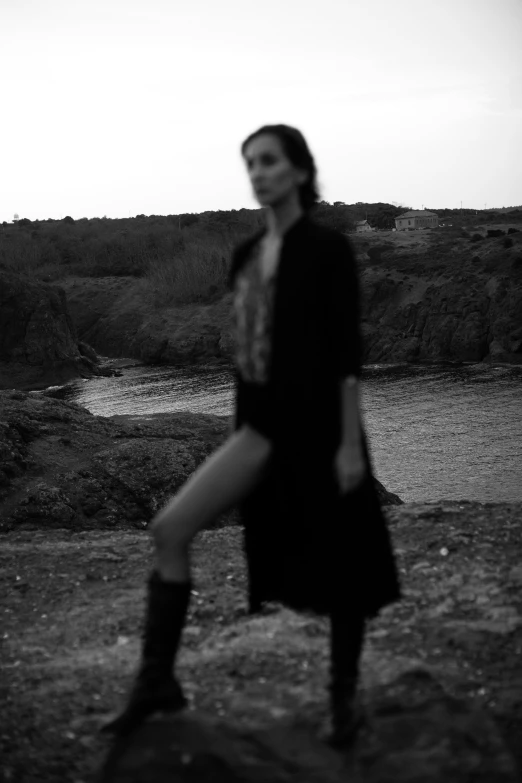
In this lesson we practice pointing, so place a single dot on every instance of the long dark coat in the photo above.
(307, 545)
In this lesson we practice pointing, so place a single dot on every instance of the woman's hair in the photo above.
(297, 151)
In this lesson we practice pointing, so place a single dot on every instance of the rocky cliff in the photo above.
(426, 296)
(118, 317)
(431, 299)
(39, 346)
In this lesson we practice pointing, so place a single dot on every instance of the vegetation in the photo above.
(464, 217)
(182, 258)
(187, 253)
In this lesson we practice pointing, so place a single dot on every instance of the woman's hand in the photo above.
(350, 466)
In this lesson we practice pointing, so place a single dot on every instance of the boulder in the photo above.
(38, 342)
(414, 733)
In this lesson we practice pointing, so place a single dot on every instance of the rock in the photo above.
(415, 733)
(91, 470)
(47, 503)
(62, 466)
(116, 317)
(88, 352)
(198, 748)
(500, 353)
(418, 733)
(386, 497)
(38, 342)
(496, 349)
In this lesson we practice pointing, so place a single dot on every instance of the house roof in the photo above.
(417, 213)
(360, 222)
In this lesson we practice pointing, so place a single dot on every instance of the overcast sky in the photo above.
(124, 107)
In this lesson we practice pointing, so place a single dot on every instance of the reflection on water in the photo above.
(443, 432)
(154, 390)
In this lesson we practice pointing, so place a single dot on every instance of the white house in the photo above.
(416, 218)
(362, 225)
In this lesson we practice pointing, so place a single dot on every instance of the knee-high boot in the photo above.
(155, 687)
(346, 641)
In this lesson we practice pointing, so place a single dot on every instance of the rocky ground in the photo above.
(441, 669)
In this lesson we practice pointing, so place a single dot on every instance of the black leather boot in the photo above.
(155, 688)
(346, 640)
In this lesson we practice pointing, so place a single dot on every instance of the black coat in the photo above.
(307, 545)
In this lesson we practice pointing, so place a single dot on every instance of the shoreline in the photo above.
(125, 363)
(411, 423)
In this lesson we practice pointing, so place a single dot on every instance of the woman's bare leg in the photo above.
(224, 479)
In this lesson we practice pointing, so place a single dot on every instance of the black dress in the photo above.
(307, 545)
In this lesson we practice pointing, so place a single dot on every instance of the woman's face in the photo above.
(274, 177)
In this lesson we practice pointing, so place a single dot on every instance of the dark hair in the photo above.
(297, 151)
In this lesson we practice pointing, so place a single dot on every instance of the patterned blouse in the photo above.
(253, 305)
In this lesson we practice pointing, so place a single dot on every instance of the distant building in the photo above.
(362, 225)
(416, 218)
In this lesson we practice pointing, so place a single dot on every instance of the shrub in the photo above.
(513, 231)
(196, 274)
(508, 242)
(476, 238)
(495, 232)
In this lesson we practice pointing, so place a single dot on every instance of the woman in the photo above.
(297, 463)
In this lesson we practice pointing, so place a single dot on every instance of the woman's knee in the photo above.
(166, 531)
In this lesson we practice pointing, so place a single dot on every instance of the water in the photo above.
(443, 432)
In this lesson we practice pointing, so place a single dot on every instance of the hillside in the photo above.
(428, 296)
(154, 288)
(442, 294)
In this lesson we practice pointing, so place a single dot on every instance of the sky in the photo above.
(126, 107)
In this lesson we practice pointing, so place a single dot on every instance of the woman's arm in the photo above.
(350, 464)
(343, 314)
(350, 410)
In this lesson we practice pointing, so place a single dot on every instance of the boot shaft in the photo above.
(166, 611)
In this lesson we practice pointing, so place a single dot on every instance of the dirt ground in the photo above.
(72, 605)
